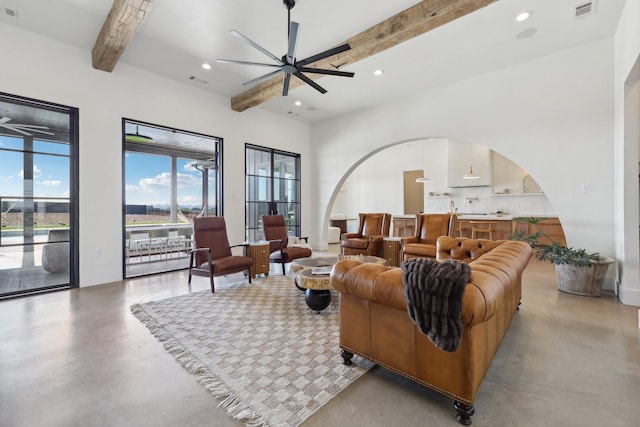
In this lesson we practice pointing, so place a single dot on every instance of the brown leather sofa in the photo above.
(373, 227)
(428, 228)
(375, 324)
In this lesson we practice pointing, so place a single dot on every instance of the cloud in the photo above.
(162, 182)
(36, 172)
(52, 183)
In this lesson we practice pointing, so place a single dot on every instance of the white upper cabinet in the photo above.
(462, 158)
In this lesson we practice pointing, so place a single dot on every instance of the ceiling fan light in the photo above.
(423, 179)
(470, 175)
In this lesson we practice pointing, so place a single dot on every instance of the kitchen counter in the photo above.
(486, 217)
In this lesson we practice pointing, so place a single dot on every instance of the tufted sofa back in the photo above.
(463, 249)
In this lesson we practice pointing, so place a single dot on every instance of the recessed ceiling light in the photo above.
(206, 66)
(523, 16)
(378, 72)
(298, 103)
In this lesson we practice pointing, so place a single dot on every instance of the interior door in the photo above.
(413, 192)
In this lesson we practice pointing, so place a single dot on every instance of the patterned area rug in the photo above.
(257, 347)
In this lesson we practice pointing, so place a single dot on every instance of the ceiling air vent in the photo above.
(584, 9)
(11, 13)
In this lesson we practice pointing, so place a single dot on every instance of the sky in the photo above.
(148, 181)
(50, 170)
(148, 177)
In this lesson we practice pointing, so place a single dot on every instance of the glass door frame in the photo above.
(253, 228)
(73, 174)
(174, 154)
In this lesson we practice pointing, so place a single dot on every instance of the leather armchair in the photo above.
(275, 231)
(372, 229)
(428, 228)
(212, 253)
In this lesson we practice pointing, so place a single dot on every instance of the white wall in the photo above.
(553, 116)
(382, 173)
(627, 140)
(36, 67)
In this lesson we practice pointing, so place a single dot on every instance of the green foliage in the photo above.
(558, 254)
(554, 253)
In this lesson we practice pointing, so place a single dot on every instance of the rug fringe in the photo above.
(234, 406)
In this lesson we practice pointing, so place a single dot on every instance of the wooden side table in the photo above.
(259, 253)
(391, 250)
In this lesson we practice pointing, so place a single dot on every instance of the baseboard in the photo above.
(629, 296)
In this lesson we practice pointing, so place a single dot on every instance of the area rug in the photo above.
(257, 347)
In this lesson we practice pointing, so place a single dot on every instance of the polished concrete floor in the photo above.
(79, 358)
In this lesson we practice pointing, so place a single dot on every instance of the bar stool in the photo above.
(482, 227)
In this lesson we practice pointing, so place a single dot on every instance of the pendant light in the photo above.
(470, 175)
(137, 137)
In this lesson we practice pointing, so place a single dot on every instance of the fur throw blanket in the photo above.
(433, 292)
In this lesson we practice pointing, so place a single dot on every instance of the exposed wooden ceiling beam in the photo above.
(410, 23)
(122, 23)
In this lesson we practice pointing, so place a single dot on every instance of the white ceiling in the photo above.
(178, 36)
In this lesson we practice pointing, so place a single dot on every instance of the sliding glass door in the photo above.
(38, 196)
(272, 188)
(170, 177)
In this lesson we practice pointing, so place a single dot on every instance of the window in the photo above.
(171, 177)
(272, 188)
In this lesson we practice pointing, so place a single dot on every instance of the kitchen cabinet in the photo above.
(550, 227)
(463, 156)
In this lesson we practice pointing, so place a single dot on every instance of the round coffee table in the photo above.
(317, 287)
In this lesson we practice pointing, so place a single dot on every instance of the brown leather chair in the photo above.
(212, 255)
(372, 229)
(275, 231)
(428, 228)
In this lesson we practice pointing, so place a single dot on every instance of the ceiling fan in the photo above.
(288, 65)
(22, 128)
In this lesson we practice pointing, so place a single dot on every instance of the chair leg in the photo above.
(213, 289)
(283, 272)
(249, 274)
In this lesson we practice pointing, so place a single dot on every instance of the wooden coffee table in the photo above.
(317, 287)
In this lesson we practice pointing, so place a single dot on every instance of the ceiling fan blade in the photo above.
(231, 61)
(327, 72)
(33, 128)
(285, 85)
(310, 82)
(257, 46)
(294, 33)
(263, 77)
(325, 54)
(16, 130)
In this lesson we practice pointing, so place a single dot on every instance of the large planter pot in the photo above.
(585, 280)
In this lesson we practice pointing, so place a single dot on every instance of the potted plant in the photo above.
(578, 271)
